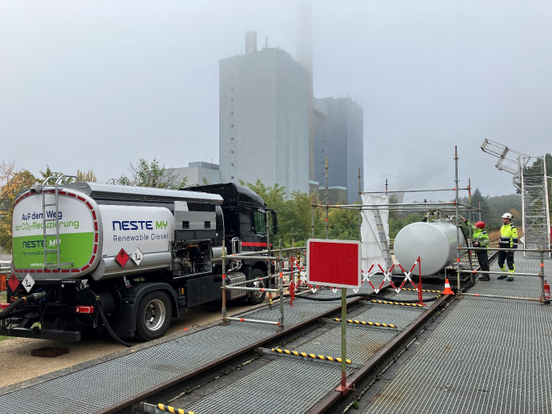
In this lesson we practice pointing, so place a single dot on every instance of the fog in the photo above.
(95, 85)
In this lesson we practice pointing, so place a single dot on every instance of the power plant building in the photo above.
(264, 105)
(197, 173)
(338, 135)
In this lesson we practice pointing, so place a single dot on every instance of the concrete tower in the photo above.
(264, 118)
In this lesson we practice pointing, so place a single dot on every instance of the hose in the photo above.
(362, 295)
(25, 299)
(108, 327)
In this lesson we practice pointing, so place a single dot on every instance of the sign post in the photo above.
(336, 263)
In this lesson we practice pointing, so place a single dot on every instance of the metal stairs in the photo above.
(50, 198)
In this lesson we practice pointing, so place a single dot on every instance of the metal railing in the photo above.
(269, 256)
(539, 274)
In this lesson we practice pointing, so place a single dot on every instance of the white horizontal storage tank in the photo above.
(435, 243)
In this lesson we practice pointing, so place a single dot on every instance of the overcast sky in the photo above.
(95, 85)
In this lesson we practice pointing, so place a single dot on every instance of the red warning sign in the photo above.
(334, 263)
(13, 282)
(122, 257)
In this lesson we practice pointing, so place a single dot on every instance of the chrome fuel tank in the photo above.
(435, 243)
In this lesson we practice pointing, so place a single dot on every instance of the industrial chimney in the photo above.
(250, 41)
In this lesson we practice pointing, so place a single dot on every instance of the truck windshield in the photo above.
(259, 220)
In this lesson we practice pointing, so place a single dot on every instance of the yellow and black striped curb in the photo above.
(381, 325)
(416, 305)
(423, 290)
(170, 409)
(313, 356)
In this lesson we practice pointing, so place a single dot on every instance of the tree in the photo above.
(151, 174)
(343, 224)
(476, 201)
(294, 213)
(297, 220)
(86, 177)
(49, 173)
(6, 173)
(537, 168)
(14, 183)
(396, 225)
(274, 197)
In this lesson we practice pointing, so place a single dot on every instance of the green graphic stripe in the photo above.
(28, 251)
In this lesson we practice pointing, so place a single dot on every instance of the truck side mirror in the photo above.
(274, 222)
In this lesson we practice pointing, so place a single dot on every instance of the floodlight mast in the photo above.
(531, 182)
(510, 160)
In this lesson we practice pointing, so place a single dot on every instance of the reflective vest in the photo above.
(480, 236)
(508, 237)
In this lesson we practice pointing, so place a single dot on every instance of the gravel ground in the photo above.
(18, 364)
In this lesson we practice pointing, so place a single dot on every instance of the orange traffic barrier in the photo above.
(448, 290)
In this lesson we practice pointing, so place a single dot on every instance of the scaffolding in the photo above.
(275, 260)
(530, 180)
(449, 210)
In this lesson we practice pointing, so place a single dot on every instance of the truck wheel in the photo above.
(255, 297)
(153, 316)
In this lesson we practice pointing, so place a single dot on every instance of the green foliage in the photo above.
(48, 173)
(500, 205)
(537, 168)
(492, 208)
(294, 221)
(477, 201)
(86, 177)
(151, 174)
(15, 181)
(343, 224)
(295, 216)
(397, 223)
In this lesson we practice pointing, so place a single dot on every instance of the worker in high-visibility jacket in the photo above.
(508, 240)
(480, 239)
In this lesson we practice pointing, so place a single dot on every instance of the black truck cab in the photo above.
(245, 215)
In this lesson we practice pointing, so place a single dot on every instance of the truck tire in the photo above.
(153, 316)
(255, 297)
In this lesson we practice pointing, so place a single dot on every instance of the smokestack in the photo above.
(304, 57)
(250, 41)
(304, 34)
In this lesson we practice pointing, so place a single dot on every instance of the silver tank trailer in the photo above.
(435, 243)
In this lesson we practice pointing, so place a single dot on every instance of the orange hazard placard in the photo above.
(3, 283)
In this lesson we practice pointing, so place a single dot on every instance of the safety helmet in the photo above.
(507, 215)
(480, 224)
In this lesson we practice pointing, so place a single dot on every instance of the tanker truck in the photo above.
(127, 259)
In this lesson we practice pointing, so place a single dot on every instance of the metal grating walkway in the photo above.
(489, 355)
(255, 397)
(98, 387)
(362, 343)
(102, 385)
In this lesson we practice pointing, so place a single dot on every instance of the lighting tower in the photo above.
(530, 181)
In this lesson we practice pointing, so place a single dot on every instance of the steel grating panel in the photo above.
(400, 316)
(522, 286)
(121, 378)
(488, 356)
(302, 310)
(413, 296)
(362, 343)
(126, 376)
(288, 394)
